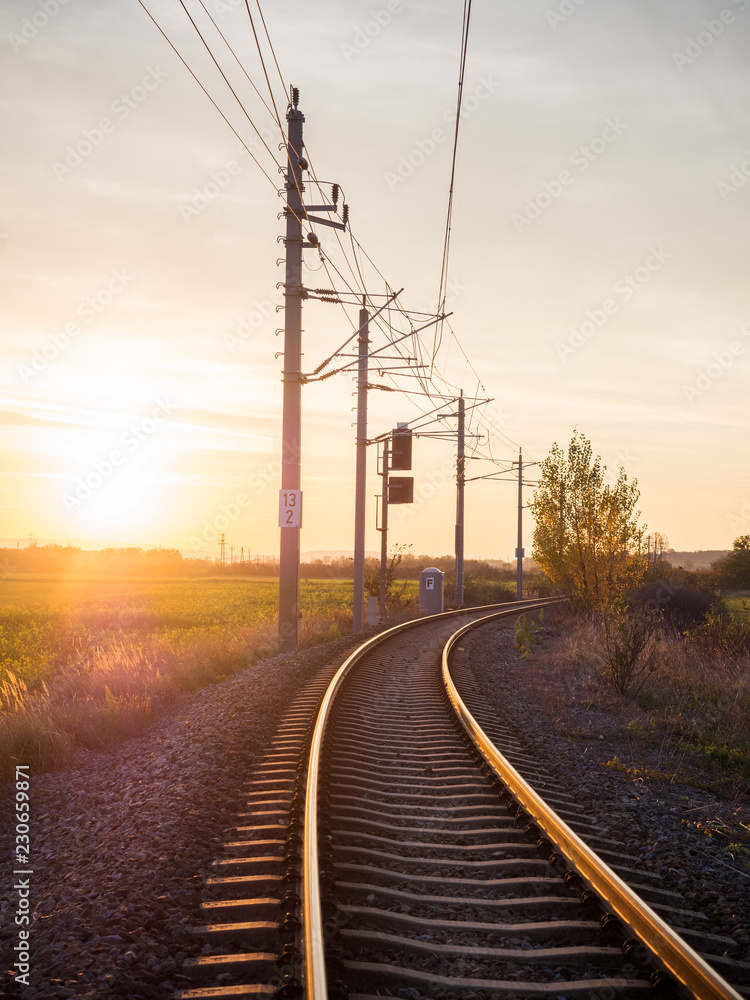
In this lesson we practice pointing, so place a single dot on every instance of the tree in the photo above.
(734, 569)
(393, 595)
(587, 536)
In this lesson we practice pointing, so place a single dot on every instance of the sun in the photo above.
(118, 493)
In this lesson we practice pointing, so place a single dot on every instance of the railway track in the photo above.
(388, 848)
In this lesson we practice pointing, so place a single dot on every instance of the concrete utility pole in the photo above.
(384, 532)
(519, 549)
(458, 591)
(361, 473)
(289, 547)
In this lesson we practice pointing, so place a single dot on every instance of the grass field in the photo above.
(85, 662)
(739, 606)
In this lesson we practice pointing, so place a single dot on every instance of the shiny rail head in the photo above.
(313, 940)
(692, 977)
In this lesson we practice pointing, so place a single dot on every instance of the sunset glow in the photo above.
(597, 271)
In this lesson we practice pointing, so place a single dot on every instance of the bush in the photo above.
(721, 634)
(480, 592)
(680, 607)
(539, 585)
(627, 639)
(734, 570)
(526, 637)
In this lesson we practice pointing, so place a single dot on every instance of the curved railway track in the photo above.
(389, 848)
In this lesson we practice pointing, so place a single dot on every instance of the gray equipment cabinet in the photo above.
(431, 590)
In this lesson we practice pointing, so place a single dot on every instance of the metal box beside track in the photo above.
(431, 582)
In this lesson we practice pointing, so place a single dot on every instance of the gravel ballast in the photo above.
(664, 824)
(122, 840)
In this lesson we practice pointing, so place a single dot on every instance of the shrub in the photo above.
(722, 634)
(526, 636)
(734, 570)
(680, 607)
(478, 592)
(627, 640)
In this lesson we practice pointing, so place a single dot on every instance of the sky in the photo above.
(597, 272)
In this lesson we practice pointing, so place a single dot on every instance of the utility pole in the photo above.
(384, 532)
(458, 594)
(361, 473)
(289, 546)
(519, 550)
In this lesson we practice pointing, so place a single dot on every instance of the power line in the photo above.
(224, 76)
(237, 59)
(263, 65)
(430, 385)
(446, 241)
(205, 91)
(270, 45)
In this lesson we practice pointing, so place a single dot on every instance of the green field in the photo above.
(45, 622)
(739, 606)
(85, 662)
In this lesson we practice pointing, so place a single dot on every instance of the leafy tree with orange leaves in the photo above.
(587, 537)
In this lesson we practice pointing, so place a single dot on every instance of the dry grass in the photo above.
(113, 688)
(689, 721)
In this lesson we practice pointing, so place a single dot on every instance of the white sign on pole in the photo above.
(290, 508)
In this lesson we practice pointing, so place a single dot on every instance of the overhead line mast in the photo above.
(290, 502)
(290, 497)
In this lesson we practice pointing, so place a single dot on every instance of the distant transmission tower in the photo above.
(222, 551)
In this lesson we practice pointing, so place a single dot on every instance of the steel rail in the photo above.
(694, 976)
(313, 938)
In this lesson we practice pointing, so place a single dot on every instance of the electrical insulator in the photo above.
(295, 96)
(345, 215)
(335, 194)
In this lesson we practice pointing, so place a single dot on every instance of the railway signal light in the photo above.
(400, 489)
(401, 449)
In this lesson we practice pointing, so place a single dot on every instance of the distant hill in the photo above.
(702, 559)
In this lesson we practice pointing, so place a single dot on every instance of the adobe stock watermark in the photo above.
(200, 198)
(453, 291)
(121, 108)
(624, 290)
(365, 34)
(228, 513)
(219, 180)
(30, 26)
(739, 522)
(711, 29)
(495, 416)
(581, 159)
(87, 310)
(425, 148)
(224, 7)
(562, 12)
(252, 320)
(722, 361)
(130, 441)
(625, 460)
(739, 174)
(432, 484)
